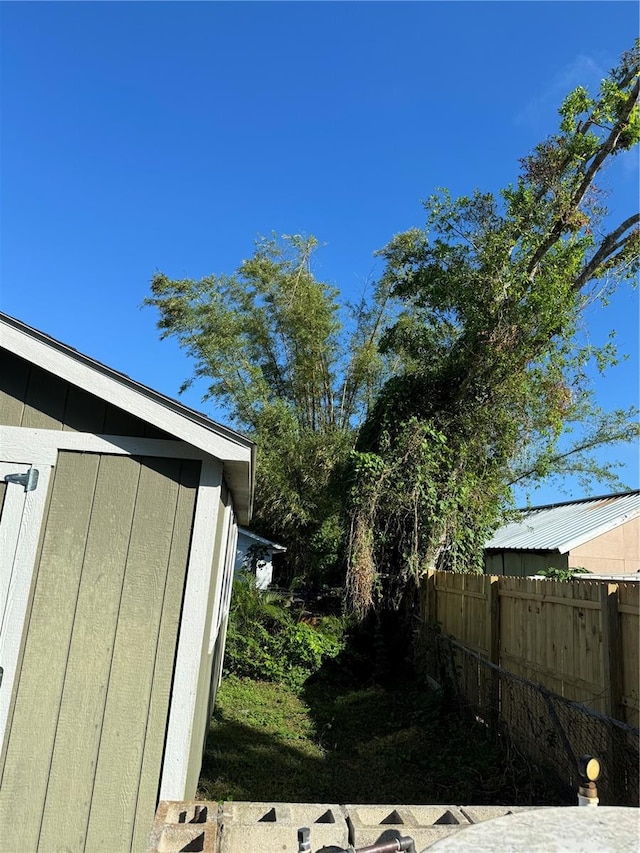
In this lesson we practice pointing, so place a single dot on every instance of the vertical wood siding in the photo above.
(14, 377)
(32, 397)
(84, 754)
(160, 695)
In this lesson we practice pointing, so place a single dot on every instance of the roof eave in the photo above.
(236, 452)
(599, 531)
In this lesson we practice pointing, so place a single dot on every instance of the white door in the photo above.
(22, 502)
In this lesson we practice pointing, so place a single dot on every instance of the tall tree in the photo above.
(493, 291)
(294, 369)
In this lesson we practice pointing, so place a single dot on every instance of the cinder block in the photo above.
(478, 814)
(184, 827)
(204, 827)
(273, 827)
(425, 824)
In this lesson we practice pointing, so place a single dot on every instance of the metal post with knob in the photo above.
(589, 770)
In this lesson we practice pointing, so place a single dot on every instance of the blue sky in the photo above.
(145, 136)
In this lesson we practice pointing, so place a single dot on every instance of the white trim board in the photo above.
(17, 598)
(225, 597)
(190, 640)
(223, 559)
(44, 444)
(13, 507)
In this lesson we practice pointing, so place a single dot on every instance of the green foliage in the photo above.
(294, 369)
(492, 377)
(266, 641)
(395, 429)
(414, 494)
(555, 574)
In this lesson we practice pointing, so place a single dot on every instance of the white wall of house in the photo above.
(264, 550)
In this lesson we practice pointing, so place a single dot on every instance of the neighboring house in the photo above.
(600, 534)
(254, 551)
(119, 512)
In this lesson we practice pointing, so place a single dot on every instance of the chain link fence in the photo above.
(550, 731)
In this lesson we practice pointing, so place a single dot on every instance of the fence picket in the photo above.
(578, 638)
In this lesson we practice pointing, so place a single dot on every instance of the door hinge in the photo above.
(29, 479)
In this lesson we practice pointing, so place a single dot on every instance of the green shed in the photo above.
(118, 528)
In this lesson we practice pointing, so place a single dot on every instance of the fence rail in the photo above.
(580, 639)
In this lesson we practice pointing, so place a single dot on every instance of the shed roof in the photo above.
(275, 546)
(563, 526)
(234, 450)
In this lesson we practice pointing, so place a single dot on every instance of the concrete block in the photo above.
(184, 827)
(478, 814)
(425, 824)
(204, 827)
(273, 827)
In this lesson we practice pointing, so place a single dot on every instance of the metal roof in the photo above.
(564, 526)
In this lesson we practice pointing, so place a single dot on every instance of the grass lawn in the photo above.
(374, 745)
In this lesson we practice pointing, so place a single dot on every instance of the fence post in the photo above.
(429, 602)
(612, 672)
(493, 618)
(492, 627)
(611, 650)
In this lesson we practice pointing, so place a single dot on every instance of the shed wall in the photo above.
(32, 397)
(522, 563)
(85, 747)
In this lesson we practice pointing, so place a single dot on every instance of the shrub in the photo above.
(267, 641)
(555, 574)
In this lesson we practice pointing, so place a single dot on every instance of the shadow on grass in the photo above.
(371, 745)
(403, 745)
(242, 763)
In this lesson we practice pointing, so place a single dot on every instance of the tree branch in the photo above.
(605, 150)
(594, 441)
(607, 248)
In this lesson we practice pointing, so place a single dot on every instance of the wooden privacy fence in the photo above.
(578, 638)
